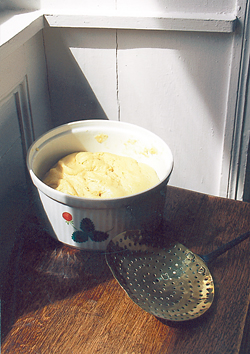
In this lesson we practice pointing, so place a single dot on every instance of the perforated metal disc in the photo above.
(171, 283)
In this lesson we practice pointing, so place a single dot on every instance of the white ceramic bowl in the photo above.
(88, 223)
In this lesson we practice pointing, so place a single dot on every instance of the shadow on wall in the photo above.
(72, 98)
(23, 5)
(174, 84)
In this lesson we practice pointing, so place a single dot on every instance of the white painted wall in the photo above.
(23, 80)
(168, 82)
(126, 62)
(164, 7)
(126, 6)
(165, 81)
(85, 88)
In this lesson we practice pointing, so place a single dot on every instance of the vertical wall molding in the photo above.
(240, 142)
(16, 133)
(24, 114)
(117, 78)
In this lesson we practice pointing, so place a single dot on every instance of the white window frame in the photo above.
(17, 26)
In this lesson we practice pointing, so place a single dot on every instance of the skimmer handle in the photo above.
(222, 249)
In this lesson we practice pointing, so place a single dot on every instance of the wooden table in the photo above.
(61, 300)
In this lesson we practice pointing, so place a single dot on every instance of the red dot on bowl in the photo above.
(67, 216)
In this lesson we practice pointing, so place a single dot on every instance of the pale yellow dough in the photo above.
(100, 175)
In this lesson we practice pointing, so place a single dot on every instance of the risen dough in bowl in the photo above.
(100, 175)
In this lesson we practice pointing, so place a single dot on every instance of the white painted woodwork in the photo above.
(174, 91)
(12, 176)
(165, 81)
(177, 68)
(24, 115)
(82, 74)
(234, 176)
(171, 22)
(135, 6)
(99, 66)
(28, 60)
(16, 28)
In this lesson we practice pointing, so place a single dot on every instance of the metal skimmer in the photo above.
(171, 282)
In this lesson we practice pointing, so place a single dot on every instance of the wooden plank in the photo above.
(60, 300)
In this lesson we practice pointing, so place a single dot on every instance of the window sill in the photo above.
(225, 23)
(17, 27)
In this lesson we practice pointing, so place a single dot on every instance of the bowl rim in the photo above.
(90, 202)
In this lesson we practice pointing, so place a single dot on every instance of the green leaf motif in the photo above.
(87, 225)
(87, 230)
(99, 236)
(79, 236)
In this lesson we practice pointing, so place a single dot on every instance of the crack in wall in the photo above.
(117, 80)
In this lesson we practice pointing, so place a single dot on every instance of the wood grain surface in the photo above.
(60, 300)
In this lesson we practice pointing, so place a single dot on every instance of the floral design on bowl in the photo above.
(87, 230)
